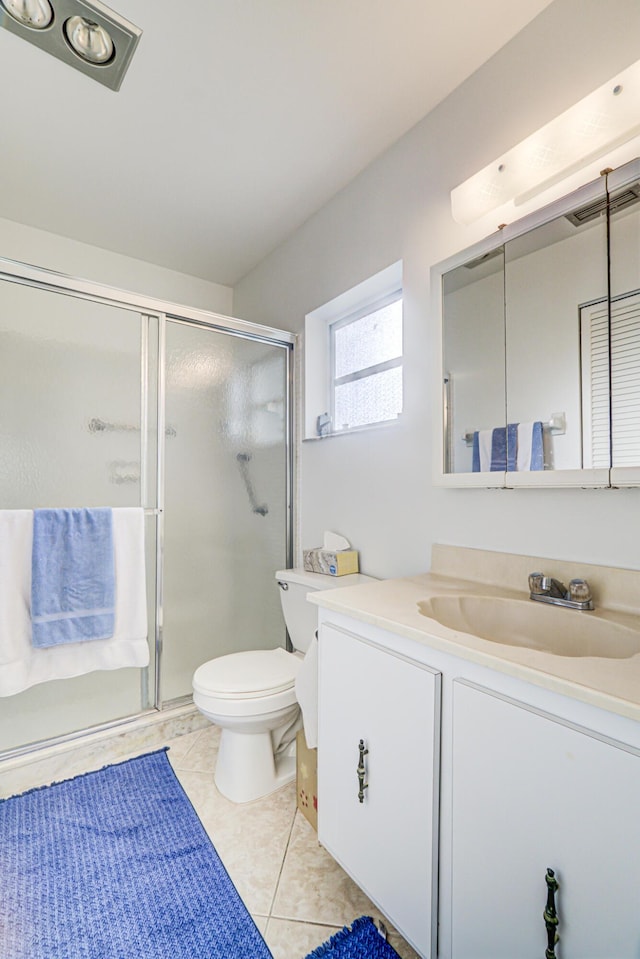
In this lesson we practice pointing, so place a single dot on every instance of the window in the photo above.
(353, 358)
(366, 367)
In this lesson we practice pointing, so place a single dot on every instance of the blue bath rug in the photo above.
(361, 941)
(115, 864)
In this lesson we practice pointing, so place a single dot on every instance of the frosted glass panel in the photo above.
(70, 418)
(371, 399)
(225, 499)
(372, 339)
(69, 401)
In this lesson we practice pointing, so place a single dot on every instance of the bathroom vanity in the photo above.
(454, 769)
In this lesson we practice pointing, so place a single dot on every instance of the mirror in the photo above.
(541, 345)
(555, 287)
(474, 360)
(625, 329)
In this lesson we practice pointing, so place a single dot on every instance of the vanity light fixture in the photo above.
(604, 119)
(85, 34)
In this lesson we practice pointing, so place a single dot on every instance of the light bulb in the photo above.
(89, 40)
(31, 13)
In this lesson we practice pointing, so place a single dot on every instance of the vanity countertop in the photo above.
(394, 605)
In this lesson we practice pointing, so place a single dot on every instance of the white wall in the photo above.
(375, 487)
(53, 252)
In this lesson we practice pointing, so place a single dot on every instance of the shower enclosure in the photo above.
(112, 399)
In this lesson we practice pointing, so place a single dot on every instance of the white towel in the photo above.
(22, 666)
(485, 443)
(530, 447)
(523, 461)
(307, 693)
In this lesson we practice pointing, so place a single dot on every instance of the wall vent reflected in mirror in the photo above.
(615, 203)
(479, 260)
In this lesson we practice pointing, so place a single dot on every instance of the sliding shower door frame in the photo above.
(218, 324)
(154, 310)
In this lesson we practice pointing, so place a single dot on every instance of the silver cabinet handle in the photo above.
(550, 915)
(361, 771)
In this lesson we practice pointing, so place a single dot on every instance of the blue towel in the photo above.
(512, 446)
(475, 458)
(537, 449)
(72, 576)
(499, 449)
(495, 457)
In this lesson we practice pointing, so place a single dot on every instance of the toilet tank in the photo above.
(300, 616)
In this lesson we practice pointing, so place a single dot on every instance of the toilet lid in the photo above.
(245, 675)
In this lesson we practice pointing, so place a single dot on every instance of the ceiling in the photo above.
(237, 120)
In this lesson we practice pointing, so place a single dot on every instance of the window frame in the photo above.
(316, 385)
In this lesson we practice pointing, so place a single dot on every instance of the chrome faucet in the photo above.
(546, 589)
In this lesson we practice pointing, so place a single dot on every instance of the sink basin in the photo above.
(523, 623)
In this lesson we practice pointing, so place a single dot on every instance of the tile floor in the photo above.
(296, 893)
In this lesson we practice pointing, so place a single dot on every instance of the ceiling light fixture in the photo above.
(85, 34)
(604, 119)
(31, 13)
(89, 40)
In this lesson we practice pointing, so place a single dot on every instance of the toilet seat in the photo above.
(254, 674)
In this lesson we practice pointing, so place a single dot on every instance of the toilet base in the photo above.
(247, 769)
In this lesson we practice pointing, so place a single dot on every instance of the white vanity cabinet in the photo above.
(382, 828)
(531, 791)
(476, 781)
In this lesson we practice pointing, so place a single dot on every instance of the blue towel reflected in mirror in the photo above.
(515, 447)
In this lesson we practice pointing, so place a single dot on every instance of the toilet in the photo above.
(251, 696)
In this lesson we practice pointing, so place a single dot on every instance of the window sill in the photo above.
(385, 425)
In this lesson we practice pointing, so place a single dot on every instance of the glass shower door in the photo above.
(226, 498)
(74, 425)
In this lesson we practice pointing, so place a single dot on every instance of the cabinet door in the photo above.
(530, 792)
(386, 841)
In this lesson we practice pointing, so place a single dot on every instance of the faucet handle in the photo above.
(535, 582)
(579, 591)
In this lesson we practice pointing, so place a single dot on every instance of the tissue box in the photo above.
(340, 562)
(307, 779)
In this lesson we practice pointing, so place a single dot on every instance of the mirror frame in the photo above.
(617, 180)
